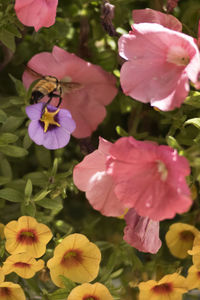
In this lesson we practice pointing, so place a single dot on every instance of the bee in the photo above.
(50, 86)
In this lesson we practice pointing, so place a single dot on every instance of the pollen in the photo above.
(48, 119)
(178, 56)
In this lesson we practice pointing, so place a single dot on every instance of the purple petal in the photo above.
(34, 111)
(66, 121)
(56, 138)
(36, 132)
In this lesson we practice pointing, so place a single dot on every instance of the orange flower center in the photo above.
(164, 288)
(27, 236)
(21, 265)
(4, 292)
(72, 258)
(88, 297)
(187, 236)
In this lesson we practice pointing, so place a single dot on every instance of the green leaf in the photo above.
(28, 189)
(13, 151)
(172, 142)
(54, 204)
(5, 167)
(37, 178)
(11, 195)
(4, 180)
(3, 116)
(13, 30)
(18, 85)
(28, 209)
(120, 131)
(43, 156)
(60, 294)
(8, 39)
(12, 123)
(41, 195)
(194, 121)
(7, 138)
(69, 284)
(27, 142)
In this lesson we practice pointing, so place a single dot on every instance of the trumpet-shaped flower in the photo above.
(51, 128)
(86, 104)
(180, 238)
(171, 286)
(23, 264)
(11, 291)
(149, 178)
(160, 62)
(90, 176)
(87, 291)
(148, 15)
(27, 235)
(76, 258)
(36, 13)
(142, 233)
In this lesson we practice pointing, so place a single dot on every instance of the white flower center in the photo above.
(162, 170)
(178, 56)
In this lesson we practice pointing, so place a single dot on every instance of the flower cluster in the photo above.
(146, 178)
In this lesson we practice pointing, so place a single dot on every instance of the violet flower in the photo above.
(51, 127)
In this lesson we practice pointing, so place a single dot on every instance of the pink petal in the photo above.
(142, 233)
(37, 13)
(153, 16)
(102, 197)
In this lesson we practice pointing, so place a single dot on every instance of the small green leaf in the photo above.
(69, 284)
(43, 156)
(172, 142)
(13, 151)
(194, 121)
(28, 189)
(28, 209)
(18, 85)
(7, 138)
(27, 142)
(3, 116)
(12, 123)
(60, 294)
(54, 204)
(8, 39)
(5, 167)
(11, 195)
(41, 195)
(120, 131)
(4, 180)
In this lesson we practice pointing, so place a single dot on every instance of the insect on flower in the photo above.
(50, 86)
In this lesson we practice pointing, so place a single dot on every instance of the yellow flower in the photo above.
(87, 291)
(27, 235)
(180, 238)
(169, 287)
(76, 258)
(2, 275)
(193, 278)
(11, 291)
(23, 264)
(195, 252)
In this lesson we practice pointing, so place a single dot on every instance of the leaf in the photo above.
(194, 121)
(120, 131)
(27, 142)
(54, 204)
(172, 142)
(28, 209)
(28, 189)
(69, 284)
(18, 85)
(4, 180)
(14, 30)
(13, 151)
(11, 195)
(60, 294)
(41, 195)
(8, 39)
(5, 167)
(7, 138)
(3, 116)
(43, 156)
(12, 123)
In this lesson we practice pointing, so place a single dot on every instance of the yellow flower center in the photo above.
(27, 233)
(164, 288)
(48, 118)
(178, 56)
(70, 254)
(162, 170)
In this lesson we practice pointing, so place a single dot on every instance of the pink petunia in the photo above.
(86, 104)
(142, 233)
(149, 178)
(148, 15)
(90, 176)
(160, 63)
(36, 13)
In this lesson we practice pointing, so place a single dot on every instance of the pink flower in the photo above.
(160, 62)
(153, 16)
(36, 13)
(90, 176)
(149, 178)
(142, 233)
(86, 104)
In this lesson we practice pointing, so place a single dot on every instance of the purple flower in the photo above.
(51, 127)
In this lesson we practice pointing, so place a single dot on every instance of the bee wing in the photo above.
(32, 72)
(69, 87)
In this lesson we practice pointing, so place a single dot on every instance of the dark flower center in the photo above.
(187, 236)
(164, 288)
(4, 292)
(88, 297)
(72, 258)
(27, 236)
(21, 265)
